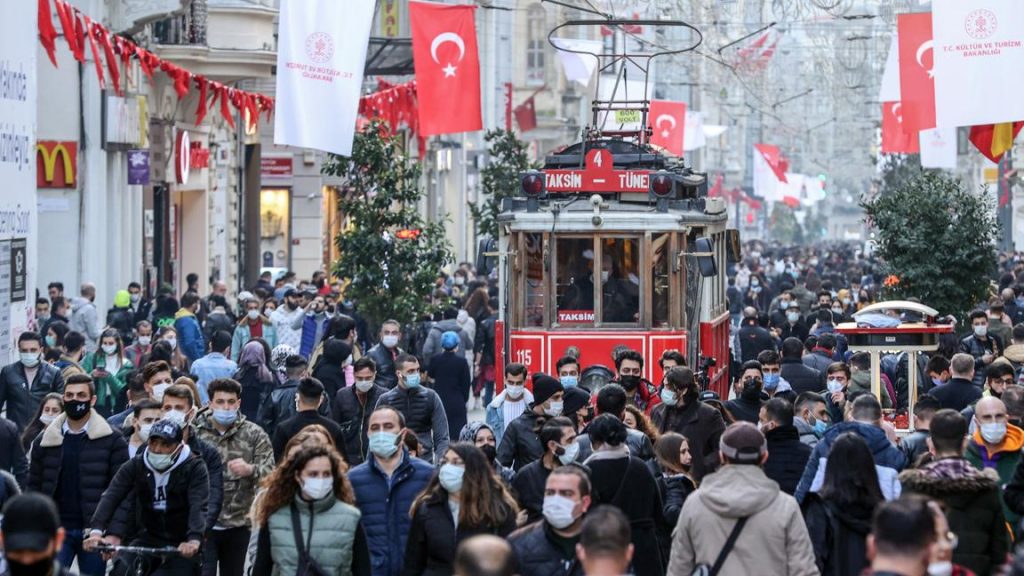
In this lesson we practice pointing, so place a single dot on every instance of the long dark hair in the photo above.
(850, 476)
(484, 501)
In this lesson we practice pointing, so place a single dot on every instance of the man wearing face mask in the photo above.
(774, 385)
(996, 445)
(386, 485)
(32, 536)
(811, 417)
(747, 404)
(352, 407)
(169, 490)
(560, 449)
(144, 415)
(312, 323)
(549, 547)
(981, 345)
(787, 455)
(385, 352)
(248, 456)
(420, 406)
(281, 403)
(629, 365)
(683, 412)
(143, 340)
(25, 383)
(753, 339)
(73, 461)
(309, 397)
(511, 402)
(520, 444)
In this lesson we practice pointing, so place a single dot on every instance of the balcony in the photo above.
(225, 40)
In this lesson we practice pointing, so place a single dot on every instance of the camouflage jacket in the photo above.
(245, 440)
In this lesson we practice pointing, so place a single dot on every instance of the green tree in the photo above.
(897, 171)
(500, 179)
(390, 277)
(937, 239)
(784, 226)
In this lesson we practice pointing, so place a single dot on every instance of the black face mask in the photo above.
(77, 409)
(630, 383)
(490, 452)
(42, 567)
(751, 389)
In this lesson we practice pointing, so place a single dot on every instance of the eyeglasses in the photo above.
(1007, 381)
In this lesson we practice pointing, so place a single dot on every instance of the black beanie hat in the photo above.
(544, 387)
(575, 399)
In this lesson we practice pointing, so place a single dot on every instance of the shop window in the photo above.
(574, 281)
(275, 228)
(620, 280)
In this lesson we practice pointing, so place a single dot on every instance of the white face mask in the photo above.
(172, 341)
(834, 385)
(158, 391)
(993, 432)
(145, 340)
(940, 568)
(569, 453)
(981, 331)
(317, 488)
(364, 385)
(514, 392)
(559, 511)
(144, 432)
(389, 341)
(554, 409)
(253, 314)
(109, 349)
(793, 317)
(605, 274)
(47, 418)
(176, 416)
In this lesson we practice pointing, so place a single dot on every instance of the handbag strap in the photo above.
(729, 543)
(300, 546)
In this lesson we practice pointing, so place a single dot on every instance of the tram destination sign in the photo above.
(599, 175)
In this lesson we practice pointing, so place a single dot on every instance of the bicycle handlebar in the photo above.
(140, 550)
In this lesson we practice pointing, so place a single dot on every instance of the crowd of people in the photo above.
(275, 436)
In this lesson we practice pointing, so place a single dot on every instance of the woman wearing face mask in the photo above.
(252, 324)
(480, 435)
(51, 407)
(558, 436)
(672, 463)
(109, 369)
(626, 483)
(255, 377)
(166, 348)
(463, 499)
(838, 516)
(308, 523)
(682, 411)
(635, 418)
(54, 337)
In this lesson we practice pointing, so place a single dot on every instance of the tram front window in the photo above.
(620, 280)
(574, 280)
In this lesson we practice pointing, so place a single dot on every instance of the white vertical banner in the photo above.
(578, 68)
(766, 183)
(890, 91)
(693, 131)
(321, 54)
(18, 100)
(979, 48)
(938, 148)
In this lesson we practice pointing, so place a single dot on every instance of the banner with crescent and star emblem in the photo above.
(447, 67)
(320, 59)
(667, 120)
(917, 83)
(896, 139)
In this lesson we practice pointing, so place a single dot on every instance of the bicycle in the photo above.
(138, 558)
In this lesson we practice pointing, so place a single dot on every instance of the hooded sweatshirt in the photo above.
(1003, 458)
(773, 541)
(889, 461)
(160, 479)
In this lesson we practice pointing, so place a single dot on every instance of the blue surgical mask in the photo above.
(450, 477)
(225, 417)
(569, 382)
(383, 444)
(819, 428)
(412, 380)
(771, 381)
(937, 381)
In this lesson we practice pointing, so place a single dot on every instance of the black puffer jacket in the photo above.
(385, 361)
(838, 535)
(280, 406)
(433, 538)
(973, 508)
(103, 453)
(801, 377)
(703, 427)
(787, 457)
(535, 553)
(21, 397)
(187, 494)
(354, 417)
(520, 444)
(424, 414)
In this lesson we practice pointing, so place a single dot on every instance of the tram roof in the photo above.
(577, 215)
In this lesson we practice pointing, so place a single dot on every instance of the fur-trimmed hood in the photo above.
(949, 477)
(96, 428)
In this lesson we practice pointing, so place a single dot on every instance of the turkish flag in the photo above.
(526, 115)
(917, 84)
(773, 156)
(667, 120)
(447, 67)
(896, 138)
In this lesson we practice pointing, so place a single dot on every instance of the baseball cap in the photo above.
(166, 430)
(30, 522)
(743, 443)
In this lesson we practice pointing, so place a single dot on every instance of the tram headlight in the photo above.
(532, 184)
(661, 184)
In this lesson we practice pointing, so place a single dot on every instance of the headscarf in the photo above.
(469, 431)
(279, 354)
(253, 356)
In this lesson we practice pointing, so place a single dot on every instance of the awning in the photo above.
(389, 57)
